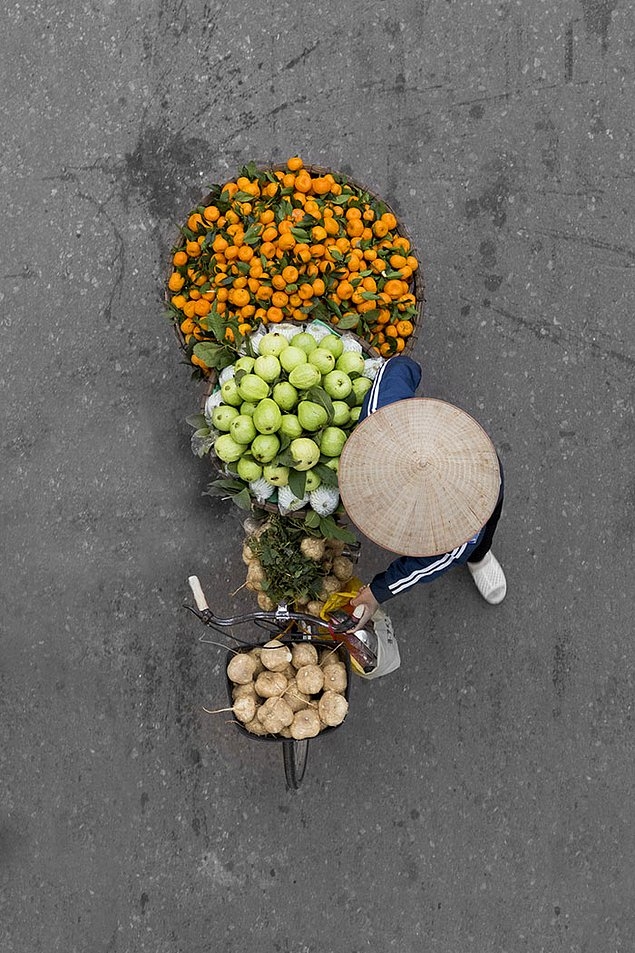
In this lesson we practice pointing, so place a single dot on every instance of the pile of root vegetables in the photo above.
(288, 690)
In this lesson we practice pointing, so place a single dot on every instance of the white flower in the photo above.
(324, 500)
(371, 367)
(261, 489)
(350, 343)
(226, 374)
(288, 501)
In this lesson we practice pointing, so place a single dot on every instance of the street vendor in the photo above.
(421, 478)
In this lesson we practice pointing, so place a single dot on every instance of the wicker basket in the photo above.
(417, 282)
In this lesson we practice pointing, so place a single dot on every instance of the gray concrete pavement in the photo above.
(480, 799)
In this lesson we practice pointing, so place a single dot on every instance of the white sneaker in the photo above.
(489, 578)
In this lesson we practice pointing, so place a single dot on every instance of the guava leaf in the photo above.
(197, 421)
(297, 482)
(332, 530)
(285, 459)
(242, 499)
(326, 475)
(319, 396)
(312, 519)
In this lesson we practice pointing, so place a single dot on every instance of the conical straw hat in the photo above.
(419, 477)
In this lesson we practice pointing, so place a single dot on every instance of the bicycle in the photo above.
(288, 627)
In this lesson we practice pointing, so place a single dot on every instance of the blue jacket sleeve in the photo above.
(407, 571)
(397, 379)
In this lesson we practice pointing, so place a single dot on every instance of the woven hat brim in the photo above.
(419, 477)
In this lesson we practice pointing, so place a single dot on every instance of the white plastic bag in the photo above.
(388, 658)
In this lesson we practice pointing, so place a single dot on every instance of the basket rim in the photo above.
(418, 280)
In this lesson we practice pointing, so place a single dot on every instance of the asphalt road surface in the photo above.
(481, 797)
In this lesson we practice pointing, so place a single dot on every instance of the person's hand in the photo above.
(366, 599)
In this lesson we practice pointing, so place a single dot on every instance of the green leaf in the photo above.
(320, 312)
(326, 475)
(215, 323)
(348, 322)
(208, 352)
(332, 530)
(370, 316)
(243, 499)
(284, 209)
(297, 482)
(300, 235)
(335, 253)
(225, 485)
(334, 307)
(250, 170)
(312, 519)
(243, 197)
(252, 235)
(196, 421)
(285, 459)
(319, 396)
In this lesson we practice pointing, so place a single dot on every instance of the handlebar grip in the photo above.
(197, 592)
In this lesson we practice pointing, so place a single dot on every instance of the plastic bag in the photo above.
(388, 658)
(339, 599)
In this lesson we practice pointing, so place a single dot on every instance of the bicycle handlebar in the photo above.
(281, 615)
(197, 592)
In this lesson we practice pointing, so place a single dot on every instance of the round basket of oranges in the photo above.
(293, 243)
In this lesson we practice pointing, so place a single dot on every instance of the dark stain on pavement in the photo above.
(597, 15)
(563, 660)
(550, 149)
(158, 165)
(492, 201)
(487, 250)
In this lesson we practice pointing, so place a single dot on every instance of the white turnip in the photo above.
(334, 677)
(274, 714)
(241, 668)
(342, 568)
(295, 699)
(332, 708)
(275, 656)
(312, 548)
(270, 684)
(303, 653)
(309, 679)
(305, 724)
